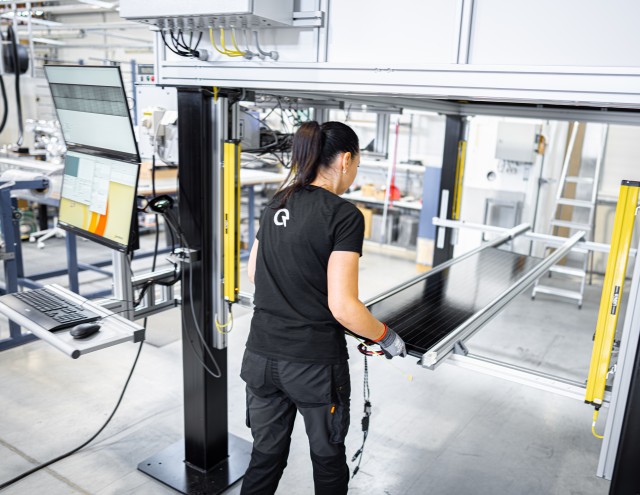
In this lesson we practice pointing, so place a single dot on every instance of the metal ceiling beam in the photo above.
(470, 108)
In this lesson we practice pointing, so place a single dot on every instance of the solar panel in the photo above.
(427, 311)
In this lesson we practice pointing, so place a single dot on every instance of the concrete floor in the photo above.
(448, 431)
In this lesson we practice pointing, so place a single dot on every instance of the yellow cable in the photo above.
(220, 327)
(233, 40)
(230, 53)
(213, 41)
(215, 94)
(215, 45)
(593, 425)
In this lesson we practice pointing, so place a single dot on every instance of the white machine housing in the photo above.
(205, 13)
(455, 50)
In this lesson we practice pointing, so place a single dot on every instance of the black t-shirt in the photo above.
(292, 320)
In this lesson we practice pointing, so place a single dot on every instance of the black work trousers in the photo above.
(276, 389)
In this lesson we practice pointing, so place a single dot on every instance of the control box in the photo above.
(145, 74)
(517, 143)
(205, 14)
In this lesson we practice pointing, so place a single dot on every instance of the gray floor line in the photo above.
(48, 470)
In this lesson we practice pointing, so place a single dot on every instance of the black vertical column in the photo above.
(205, 411)
(209, 460)
(626, 480)
(454, 133)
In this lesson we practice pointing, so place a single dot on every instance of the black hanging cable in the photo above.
(7, 484)
(164, 40)
(5, 111)
(153, 191)
(181, 44)
(3, 90)
(16, 69)
(198, 42)
(178, 46)
(365, 418)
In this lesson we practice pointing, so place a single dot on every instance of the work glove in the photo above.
(392, 344)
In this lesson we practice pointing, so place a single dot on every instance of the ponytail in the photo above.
(315, 146)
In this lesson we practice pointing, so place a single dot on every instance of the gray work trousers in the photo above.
(276, 389)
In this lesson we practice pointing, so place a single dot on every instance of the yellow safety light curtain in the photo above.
(612, 291)
(457, 191)
(231, 191)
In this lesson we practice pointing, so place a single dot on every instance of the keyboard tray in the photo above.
(114, 328)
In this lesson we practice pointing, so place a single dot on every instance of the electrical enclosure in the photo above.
(205, 13)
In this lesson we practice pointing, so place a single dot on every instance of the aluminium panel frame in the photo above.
(448, 344)
(624, 372)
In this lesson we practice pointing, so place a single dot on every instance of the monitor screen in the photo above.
(92, 109)
(98, 198)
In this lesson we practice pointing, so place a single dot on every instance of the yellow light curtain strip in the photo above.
(457, 192)
(612, 292)
(231, 192)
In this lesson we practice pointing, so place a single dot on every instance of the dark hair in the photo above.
(315, 146)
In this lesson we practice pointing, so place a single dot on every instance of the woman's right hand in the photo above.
(392, 344)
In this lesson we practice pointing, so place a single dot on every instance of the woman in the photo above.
(304, 264)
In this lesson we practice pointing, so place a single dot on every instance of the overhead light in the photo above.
(99, 4)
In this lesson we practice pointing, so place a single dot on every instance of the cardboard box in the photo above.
(162, 171)
(368, 190)
(368, 218)
(380, 193)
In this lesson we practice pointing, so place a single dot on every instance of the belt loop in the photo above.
(275, 374)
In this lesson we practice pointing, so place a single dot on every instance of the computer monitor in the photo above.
(92, 109)
(98, 198)
(100, 179)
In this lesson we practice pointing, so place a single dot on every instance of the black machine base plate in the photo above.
(168, 466)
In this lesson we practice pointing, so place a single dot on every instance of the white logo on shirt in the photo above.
(281, 217)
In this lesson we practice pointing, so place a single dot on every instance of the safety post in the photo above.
(612, 292)
(231, 191)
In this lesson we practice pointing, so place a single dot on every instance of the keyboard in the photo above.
(48, 309)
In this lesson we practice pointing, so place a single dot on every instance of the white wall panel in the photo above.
(552, 32)
(621, 160)
(394, 33)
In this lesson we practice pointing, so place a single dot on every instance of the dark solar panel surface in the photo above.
(427, 311)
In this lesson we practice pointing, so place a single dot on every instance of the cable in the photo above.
(231, 53)
(249, 54)
(272, 55)
(233, 40)
(177, 46)
(167, 44)
(593, 425)
(198, 42)
(365, 349)
(16, 70)
(7, 484)
(215, 45)
(220, 328)
(153, 191)
(205, 346)
(365, 418)
(5, 112)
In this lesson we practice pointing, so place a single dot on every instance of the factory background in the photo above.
(488, 129)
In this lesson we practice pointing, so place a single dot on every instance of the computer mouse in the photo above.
(84, 330)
